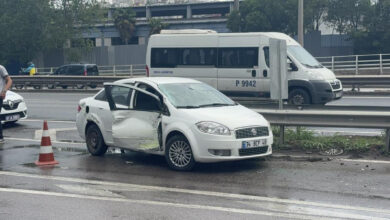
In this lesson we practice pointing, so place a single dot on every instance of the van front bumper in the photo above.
(323, 92)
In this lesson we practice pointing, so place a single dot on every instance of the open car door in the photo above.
(136, 116)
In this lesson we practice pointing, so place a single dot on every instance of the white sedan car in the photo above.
(14, 108)
(182, 119)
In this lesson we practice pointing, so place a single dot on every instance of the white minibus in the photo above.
(238, 64)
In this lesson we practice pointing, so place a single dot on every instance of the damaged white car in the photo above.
(182, 119)
(14, 108)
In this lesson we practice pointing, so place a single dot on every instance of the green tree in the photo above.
(265, 15)
(347, 15)
(374, 37)
(156, 25)
(314, 13)
(32, 26)
(124, 19)
(234, 21)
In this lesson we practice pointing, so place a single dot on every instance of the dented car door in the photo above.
(136, 117)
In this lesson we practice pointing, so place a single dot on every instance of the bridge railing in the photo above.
(115, 70)
(369, 64)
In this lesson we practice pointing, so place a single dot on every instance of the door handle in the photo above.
(265, 73)
(253, 73)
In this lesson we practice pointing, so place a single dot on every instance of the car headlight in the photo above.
(213, 128)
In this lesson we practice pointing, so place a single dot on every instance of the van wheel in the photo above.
(37, 87)
(64, 86)
(80, 86)
(93, 86)
(51, 86)
(95, 141)
(299, 97)
(178, 154)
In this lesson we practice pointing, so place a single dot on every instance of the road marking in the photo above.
(35, 140)
(197, 192)
(159, 203)
(41, 120)
(366, 161)
(306, 210)
(89, 190)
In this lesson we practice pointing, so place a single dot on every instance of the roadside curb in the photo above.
(311, 158)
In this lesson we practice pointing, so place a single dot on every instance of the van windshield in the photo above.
(194, 95)
(304, 57)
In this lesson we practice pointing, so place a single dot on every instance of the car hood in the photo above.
(12, 96)
(231, 116)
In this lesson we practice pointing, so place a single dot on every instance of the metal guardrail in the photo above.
(357, 64)
(115, 70)
(62, 81)
(318, 118)
(376, 64)
(39, 81)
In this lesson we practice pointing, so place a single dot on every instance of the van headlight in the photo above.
(213, 128)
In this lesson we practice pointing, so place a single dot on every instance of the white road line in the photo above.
(35, 140)
(41, 120)
(177, 205)
(366, 161)
(197, 192)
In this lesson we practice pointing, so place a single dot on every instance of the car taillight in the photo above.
(147, 70)
(78, 108)
(85, 72)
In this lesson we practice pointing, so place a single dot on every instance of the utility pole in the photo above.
(300, 22)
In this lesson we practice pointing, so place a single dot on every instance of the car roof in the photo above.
(158, 80)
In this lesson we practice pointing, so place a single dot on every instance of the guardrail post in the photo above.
(380, 64)
(387, 144)
(332, 63)
(51, 70)
(131, 70)
(114, 70)
(357, 64)
(281, 136)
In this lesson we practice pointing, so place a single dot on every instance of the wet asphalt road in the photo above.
(139, 186)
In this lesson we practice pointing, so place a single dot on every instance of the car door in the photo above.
(135, 123)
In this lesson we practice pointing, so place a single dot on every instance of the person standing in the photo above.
(5, 84)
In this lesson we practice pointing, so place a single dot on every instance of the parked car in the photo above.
(14, 108)
(185, 120)
(81, 69)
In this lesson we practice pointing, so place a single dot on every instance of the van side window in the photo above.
(238, 57)
(198, 56)
(266, 55)
(164, 57)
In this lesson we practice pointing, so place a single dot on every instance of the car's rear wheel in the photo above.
(93, 86)
(178, 153)
(95, 141)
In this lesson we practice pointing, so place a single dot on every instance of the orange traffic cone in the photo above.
(46, 155)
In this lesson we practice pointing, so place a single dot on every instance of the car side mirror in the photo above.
(291, 66)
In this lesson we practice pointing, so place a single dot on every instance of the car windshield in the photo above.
(304, 57)
(194, 95)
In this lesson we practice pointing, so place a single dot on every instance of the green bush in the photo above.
(306, 140)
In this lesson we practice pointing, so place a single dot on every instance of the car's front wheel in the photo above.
(95, 141)
(178, 154)
(299, 97)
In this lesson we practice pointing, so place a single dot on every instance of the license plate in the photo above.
(338, 95)
(254, 143)
(12, 117)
